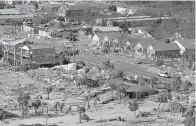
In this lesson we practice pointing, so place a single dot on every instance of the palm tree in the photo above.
(49, 90)
(120, 74)
(108, 65)
(23, 100)
(80, 111)
(113, 87)
(121, 90)
(176, 84)
(164, 97)
(153, 81)
(190, 121)
(2, 115)
(61, 105)
(133, 106)
(185, 86)
(13, 23)
(87, 99)
(36, 104)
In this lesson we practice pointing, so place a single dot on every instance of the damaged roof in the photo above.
(78, 7)
(187, 43)
(165, 46)
(109, 35)
(106, 29)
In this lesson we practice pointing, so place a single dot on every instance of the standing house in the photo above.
(143, 44)
(77, 12)
(39, 54)
(139, 91)
(108, 37)
(52, 8)
(133, 90)
(163, 50)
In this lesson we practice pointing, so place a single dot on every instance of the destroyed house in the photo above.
(163, 50)
(12, 48)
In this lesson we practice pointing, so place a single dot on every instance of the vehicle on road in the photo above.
(164, 74)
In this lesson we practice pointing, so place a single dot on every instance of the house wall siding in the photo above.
(167, 54)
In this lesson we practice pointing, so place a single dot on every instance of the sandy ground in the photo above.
(107, 111)
(111, 110)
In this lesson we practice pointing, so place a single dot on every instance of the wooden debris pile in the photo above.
(43, 75)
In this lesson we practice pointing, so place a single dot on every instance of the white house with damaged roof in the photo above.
(185, 45)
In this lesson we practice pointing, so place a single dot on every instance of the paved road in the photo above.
(128, 68)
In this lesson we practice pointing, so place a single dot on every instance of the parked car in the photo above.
(164, 74)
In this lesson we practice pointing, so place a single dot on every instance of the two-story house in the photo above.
(76, 12)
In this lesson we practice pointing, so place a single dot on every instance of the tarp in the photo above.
(139, 88)
(109, 96)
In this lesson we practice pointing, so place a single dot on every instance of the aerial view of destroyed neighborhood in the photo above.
(97, 63)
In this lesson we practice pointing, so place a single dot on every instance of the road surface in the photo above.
(128, 68)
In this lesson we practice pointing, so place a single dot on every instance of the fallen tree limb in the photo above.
(112, 119)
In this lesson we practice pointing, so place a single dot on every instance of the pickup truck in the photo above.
(164, 74)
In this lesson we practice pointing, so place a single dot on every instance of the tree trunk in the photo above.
(56, 107)
(120, 96)
(22, 111)
(61, 109)
(79, 115)
(159, 105)
(15, 28)
(35, 110)
(47, 116)
(135, 114)
(48, 96)
(3, 116)
(87, 105)
(68, 110)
